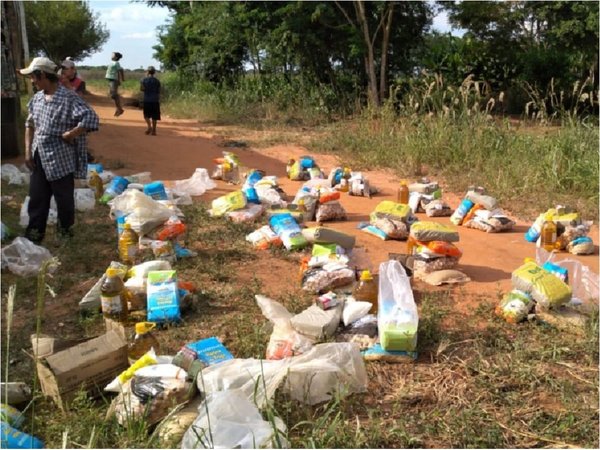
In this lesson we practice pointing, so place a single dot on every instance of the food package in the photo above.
(248, 214)
(263, 238)
(320, 280)
(392, 210)
(288, 231)
(328, 235)
(448, 276)
(317, 323)
(424, 231)
(545, 288)
(515, 306)
(437, 208)
(372, 229)
(332, 210)
(486, 201)
(393, 228)
(423, 266)
(581, 246)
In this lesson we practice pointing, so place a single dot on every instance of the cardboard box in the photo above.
(66, 367)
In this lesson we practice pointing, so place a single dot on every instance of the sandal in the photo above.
(147, 132)
(119, 112)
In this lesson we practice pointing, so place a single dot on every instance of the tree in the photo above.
(61, 29)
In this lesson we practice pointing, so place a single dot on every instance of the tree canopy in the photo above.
(61, 29)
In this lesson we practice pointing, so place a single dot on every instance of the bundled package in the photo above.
(515, 306)
(546, 289)
(331, 210)
(397, 317)
(327, 277)
(288, 231)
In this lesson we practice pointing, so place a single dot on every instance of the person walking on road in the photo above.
(55, 148)
(115, 76)
(150, 86)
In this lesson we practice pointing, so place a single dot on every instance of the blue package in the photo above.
(12, 438)
(557, 270)
(210, 351)
(253, 177)
(116, 187)
(337, 176)
(251, 195)
(156, 190)
(581, 240)
(97, 167)
(307, 162)
(163, 297)
(372, 229)
(284, 223)
(378, 353)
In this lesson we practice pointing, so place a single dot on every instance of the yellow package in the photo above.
(432, 231)
(545, 288)
(147, 359)
(230, 202)
(392, 210)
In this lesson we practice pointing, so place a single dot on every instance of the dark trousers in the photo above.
(40, 193)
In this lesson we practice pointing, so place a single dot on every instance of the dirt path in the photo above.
(183, 145)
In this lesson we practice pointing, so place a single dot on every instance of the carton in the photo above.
(66, 367)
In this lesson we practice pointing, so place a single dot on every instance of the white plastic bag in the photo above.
(84, 199)
(143, 213)
(229, 420)
(284, 341)
(354, 310)
(311, 378)
(13, 175)
(24, 215)
(397, 317)
(23, 257)
(198, 184)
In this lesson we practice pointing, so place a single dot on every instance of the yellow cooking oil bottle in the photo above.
(112, 296)
(143, 341)
(367, 290)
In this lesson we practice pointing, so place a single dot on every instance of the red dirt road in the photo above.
(183, 145)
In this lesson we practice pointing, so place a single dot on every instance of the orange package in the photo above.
(443, 248)
(329, 196)
(471, 213)
(170, 231)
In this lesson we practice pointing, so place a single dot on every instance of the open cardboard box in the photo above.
(66, 367)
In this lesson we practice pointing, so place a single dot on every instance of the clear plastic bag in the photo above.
(24, 214)
(23, 257)
(143, 213)
(84, 199)
(197, 184)
(228, 419)
(13, 175)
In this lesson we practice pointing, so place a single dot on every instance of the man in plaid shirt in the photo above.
(55, 148)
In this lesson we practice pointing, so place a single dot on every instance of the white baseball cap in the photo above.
(40, 63)
(68, 64)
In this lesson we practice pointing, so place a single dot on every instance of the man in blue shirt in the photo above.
(55, 147)
(150, 86)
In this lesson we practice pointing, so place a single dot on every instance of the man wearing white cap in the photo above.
(55, 147)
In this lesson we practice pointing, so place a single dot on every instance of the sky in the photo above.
(133, 32)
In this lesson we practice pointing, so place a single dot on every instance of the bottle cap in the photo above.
(112, 272)
(144, 327)
(366, 275)
(403, 182)
(127, 226)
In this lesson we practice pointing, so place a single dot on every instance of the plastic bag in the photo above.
(397, 317)
(284, 341)
(332, 210)
(143, 213)
(228, 419)
(23, 257)
(197, 184)
(13, 175)
(312, 377)
(84, 199)
(24, 215)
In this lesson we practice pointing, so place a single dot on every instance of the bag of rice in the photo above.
(392, 210)
(546, 289)
(393, 228)
(432, 231)
(437, 208)
(332, 210)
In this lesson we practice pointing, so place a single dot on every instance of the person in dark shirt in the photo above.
(150, 86)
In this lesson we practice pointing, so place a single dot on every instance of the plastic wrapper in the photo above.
(422, 267)
(393, 228)
(332, 210)
(151, 395)
(515, 306)
(12, 174)
(288, 230)
(196, 185)
(310, 378)
(372, 229)
(571, 233)
(142, 212)
(229, 202)
(581, 246)
(172, 228)
(546, 289)
(437, 208)
(263, 238)
(227, 419)
(392, 210)
(432, 231)
(354, 311)
(248, 214)
(84, 199)
(269, 196)
(284, 341)
(22, 257)
(319, 280)
(24, 214)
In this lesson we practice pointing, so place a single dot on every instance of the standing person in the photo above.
(151, 88)
(115, 76)
(55, 148)
(69, 77)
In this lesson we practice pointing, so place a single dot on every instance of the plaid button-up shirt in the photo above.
(50, 119)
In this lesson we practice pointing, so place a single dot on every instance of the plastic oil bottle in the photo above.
(112, 296)
(345, 181)
(403, 193)
(96, 184)
(128, 245)
(143, 341)
(548, 234)
(367, 290)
